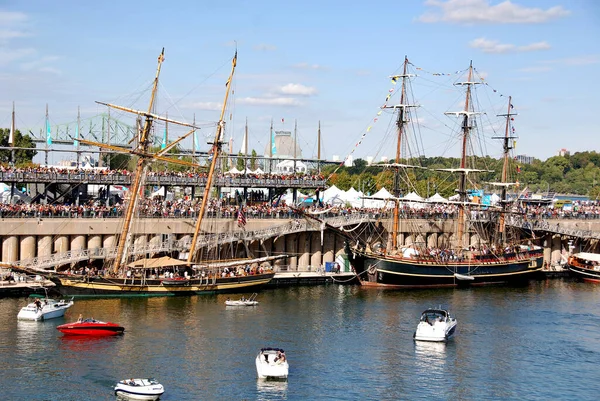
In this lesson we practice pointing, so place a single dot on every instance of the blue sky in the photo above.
(308, 61)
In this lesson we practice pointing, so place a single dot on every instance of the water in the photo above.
(342, 342)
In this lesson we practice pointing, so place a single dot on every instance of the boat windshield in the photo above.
(434, 315)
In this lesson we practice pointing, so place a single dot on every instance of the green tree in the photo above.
(240, 162)
(253, 160)
(22, 156)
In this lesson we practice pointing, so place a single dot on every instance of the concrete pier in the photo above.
(30, 238)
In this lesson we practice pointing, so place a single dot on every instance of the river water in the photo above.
(342, 342)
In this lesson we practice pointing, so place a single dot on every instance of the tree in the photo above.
(253, 160)
(241, 162)
(22, 156)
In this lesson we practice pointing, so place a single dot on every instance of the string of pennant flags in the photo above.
(391, 91)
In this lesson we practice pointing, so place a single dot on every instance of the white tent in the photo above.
(234, 171)
(437, 198)
(287, 166)
(161, 192)
(258, 171)
(494, 199)
(353, 197)
(333, 195)
(415, 201)
(382, 193)
(17, 196)
(413, 196)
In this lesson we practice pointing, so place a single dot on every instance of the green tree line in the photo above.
(570, 174)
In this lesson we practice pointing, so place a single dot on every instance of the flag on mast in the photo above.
(48, 133)
(76, 141)
(241, 217)
(164, 140)
(11, 136)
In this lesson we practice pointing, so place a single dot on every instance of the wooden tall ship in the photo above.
(455, 264)
(137, 278)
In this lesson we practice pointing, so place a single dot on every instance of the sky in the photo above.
(309, 62)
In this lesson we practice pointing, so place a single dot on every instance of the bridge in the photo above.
(191, 180)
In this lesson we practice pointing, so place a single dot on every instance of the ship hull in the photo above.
(380, 271)
(119, 287)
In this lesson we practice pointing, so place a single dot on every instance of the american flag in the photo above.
(241, 218)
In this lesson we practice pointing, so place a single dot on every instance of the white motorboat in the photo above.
(139, 389)
(243, 301)
(271, 363)
(435, 325)
(44, 308)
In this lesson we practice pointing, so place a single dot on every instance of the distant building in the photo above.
(283, 146)
(564, 152)
(349, 162)
(335, 158)
(370, 160)
(384, 159)
(524, 159)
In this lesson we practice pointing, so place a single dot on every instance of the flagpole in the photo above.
(77, 136)
(108, 138)
(47, 136)
(11, 138)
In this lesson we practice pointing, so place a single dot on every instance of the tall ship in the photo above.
(496, 256)
(123, 275)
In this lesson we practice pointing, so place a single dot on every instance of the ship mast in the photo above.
(400, 122)
(135, 188)
(466, 127)
(216, 149)
(504, 179)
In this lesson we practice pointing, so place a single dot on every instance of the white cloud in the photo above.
(7, 56)
(307, 66)
(298, 89)
(13, 25)
(493, 46)
(211, 106)
(270, 101)
(581, 60)
(535, 69)
(534, 47)
(263, 47)
(482, 12)
(40, 64)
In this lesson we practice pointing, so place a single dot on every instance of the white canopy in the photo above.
(288, 166)
(161, 192)
(413, 196)
(437, 198)
(382, 193)
(333, 195)
(234, 171)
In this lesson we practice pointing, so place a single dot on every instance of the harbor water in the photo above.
(536, 342)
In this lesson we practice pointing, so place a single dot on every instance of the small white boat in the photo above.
(139, 389)
(435, 325)
(243, 301)
(44, 308)
(271, 363)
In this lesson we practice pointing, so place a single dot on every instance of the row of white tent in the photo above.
(381, 199)
(235, 171)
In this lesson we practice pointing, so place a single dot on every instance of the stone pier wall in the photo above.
(27, 238)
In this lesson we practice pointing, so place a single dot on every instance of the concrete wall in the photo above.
(28, 238)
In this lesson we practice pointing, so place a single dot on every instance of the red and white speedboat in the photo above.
(91, 327)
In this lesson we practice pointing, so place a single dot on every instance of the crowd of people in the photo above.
(187, 208)
(193, 174)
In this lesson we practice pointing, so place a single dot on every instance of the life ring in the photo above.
(372, 270)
